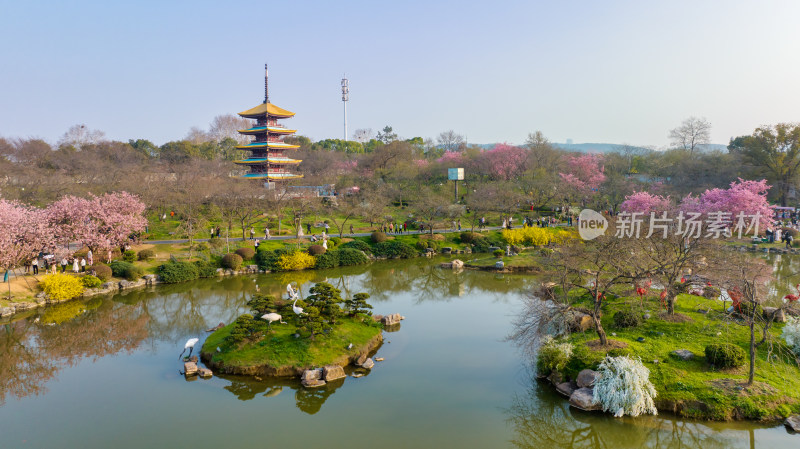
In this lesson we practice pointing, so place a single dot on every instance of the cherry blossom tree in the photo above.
(645, 203)
(585, 173)
(743, 197)
(506, 161)
(451, 157)
(23, 233)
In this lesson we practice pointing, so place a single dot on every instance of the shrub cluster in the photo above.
(329, 259)
(359, 245)
(394, 249)
(245, 328)
(471, 237)
(297, 260)
(232, 261)
(624, 387)
(350, 256)
(535, 236)
(498, 253)
(378, 237)
(553, 355)
(791, 334)
(103, 272)
(129, 256)
(725, 355)
(173, 272)
(90, 281)
(335, 240)
(316, 250)
(206, 269)
(127, 270)
(146, 254)
(627, 318)
(61, 287)
(246, 253)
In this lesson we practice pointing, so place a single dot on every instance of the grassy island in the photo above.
(329, 330)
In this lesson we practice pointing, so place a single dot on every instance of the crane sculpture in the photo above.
(294, 295)
(270, 317)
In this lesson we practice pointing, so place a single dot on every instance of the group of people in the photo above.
(49, 264)
(391, 228)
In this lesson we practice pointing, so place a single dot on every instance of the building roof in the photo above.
(270, 176)
(276, 145)
(266, 108)
(272, 129)
(271, 160)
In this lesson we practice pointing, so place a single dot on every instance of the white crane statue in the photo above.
(294, 295)
(190, 346)
(270, 317)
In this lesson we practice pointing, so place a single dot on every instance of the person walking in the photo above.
(35, 265)
(266, 234)
(459, 224)
(83, 265)
(252, 233)
(351, 230)
(76, 266)
(789, 239)
(64, 265)
(327, 228)
(90, 258)
(257, 243)
(212, 232)
(405, 227)
(308, 228)
(218, 231)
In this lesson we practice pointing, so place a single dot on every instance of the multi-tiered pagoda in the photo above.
(267, 159)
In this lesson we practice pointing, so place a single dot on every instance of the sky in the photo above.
(591, 71)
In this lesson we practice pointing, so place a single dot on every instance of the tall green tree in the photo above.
(775, 150)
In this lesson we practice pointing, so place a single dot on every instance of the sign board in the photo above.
(455, 174)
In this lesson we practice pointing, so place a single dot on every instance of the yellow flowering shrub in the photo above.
(530, 236)
(296, 261)
(61, 286)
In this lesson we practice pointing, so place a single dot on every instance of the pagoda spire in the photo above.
(266, 84)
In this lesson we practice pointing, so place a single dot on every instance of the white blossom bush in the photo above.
(624, 387)
(553, 355)
(791, 334)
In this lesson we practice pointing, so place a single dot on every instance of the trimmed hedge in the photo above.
(378, 237)
(146, 254)
(206, 269)
(268, 260)
(471, 237)
(329, 259)
(173, 272)
(103, 272)
(394, 249)
(129, 256)
(246, 253)
(316, 250)
(127, 270)
(90, 281)
(232, 261)
(725, 355)
(359, 245)
(350, 256)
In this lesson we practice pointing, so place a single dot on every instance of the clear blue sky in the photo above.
(593, 71)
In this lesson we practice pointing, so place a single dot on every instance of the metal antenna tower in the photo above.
(345, 98)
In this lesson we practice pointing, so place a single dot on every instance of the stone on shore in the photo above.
(368, 364)
(311, 374)
(566, 388)
(582, 398)
(389, 320)
(793, 422)
(683, 354)
(770, 312)
(332, 372)
(190, 368)
(313, 383)
(205, 373)
(587, 378)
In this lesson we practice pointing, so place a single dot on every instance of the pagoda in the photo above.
(267, 160)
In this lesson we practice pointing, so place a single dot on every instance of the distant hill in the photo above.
(607, 147)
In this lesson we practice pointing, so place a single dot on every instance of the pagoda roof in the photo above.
(270, 176)
(266, 109)
(276, 145)
(272, 129)
(271, 160)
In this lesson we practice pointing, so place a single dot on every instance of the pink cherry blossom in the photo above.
(24, 233)
(584, 172)
(645, 203)
(505, 161)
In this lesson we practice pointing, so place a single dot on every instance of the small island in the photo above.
(284, 338)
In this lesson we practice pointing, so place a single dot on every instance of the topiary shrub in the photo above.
(90, 281)
(231, 261)
(470, 237)
(103, 272)
(316, 250)
(627, 318)
(246, 253)
(268, 260)
(173, 272)
(335, 240)
(498, 253)
(359, 245)
(350, 256)
(791, 334)
(206, 268)
(725, 355)
(245, 328)
(553, 355)
(624, 387)
(394, 249)
(329, 259)
(378, 237)
(146, 254)
(129, 256)
(481, 246)
(61, 287)
(126, 270)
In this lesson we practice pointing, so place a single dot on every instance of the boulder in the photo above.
(566, 388)
(447, 250)
(109, 285)
(556, 378)
(775, 313)
(190, 368)
(499, 264)
(457, 264)
(587, 378)
(205, 373)
(368, 364)
(332, 372)
(220, 271)
(360, 360)
(20, 306)
(311, 374)
(6, 311)
(193, 359)
(389, 320)
(124, 284)
(683, 354)
(150, 279)
(793, 422)
(582, 399)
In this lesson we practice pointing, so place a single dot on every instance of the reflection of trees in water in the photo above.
(542, 418)
(785, 268)
(309, 400)
(32, 354)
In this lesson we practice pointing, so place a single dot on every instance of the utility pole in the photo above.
(345, 98)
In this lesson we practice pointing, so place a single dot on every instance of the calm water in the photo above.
(104, 373)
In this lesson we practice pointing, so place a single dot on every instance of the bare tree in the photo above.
(79, 135)
(197, 135)
(450, 141)
(691, 133)
(228, 126)
(363, 135)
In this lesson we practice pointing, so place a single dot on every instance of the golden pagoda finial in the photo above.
(266, 84)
